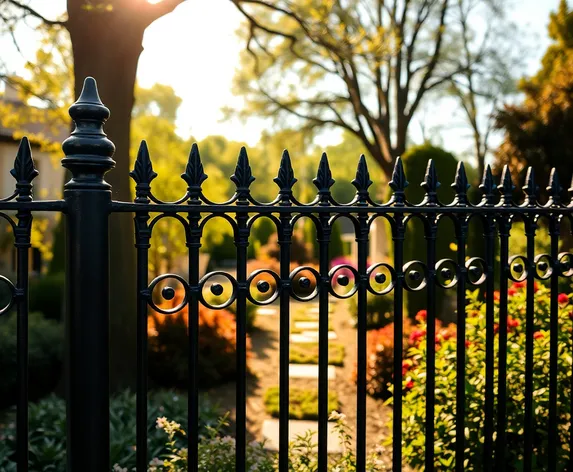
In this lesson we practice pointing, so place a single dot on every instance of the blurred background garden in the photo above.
(476, 82)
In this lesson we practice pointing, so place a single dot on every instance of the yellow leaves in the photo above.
(97, 7)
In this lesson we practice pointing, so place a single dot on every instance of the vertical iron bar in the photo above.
(489, 231)
(553, 343)
(284, 336)
(530, 227)
(88, 201)
(142, 237)
(362, 282)
(461, 345)
(430, 342)
(241, 242)
(194, 245)
(22, 244)
(501, 440)
(398, 239)
(323, 413)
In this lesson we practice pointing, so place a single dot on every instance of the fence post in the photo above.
(88, 196)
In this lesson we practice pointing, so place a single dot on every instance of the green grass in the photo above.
(303, 403)
(308, 354)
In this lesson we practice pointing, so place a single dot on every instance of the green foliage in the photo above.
(47, 295)
(537, 130)
(46, 341)
(217, 452)
(379, 310)
(307, 353)
(415, 384)
(415, 163)
(48, 429)
(303, 403)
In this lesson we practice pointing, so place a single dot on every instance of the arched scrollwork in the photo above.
(415, 276)
(543, 266)
(476, 271)
(12, 289)
(263, 287)
(518, 268)
(218, 289)
(343, 280)
(565, 260)
(381, 278)
(446, 273)
(301, 282)
(167, 293)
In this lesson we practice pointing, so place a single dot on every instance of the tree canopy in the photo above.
(538, 131)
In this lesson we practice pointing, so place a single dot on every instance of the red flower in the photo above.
(416, 335)
(495, 328)
(422, 315)
(563, 299)
(468, 343)
(496, 295)
(405, 367)
(537, 335)
(409, 384)
(512, 322)
(521, 284)
(535, 287)
(511, 291)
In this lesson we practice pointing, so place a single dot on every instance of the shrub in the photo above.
(414, 384)
(415, 160)
(169, 346)
(303, 403)
(379, 310)
(45, 354)
(217, 452)
(48, 429)
(307, 353)
(380, 357)
(47, 295)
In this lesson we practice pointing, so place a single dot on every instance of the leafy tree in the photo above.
(538, 131)
(362, 66)
(106, 40)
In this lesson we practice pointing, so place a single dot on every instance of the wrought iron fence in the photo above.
(88, 203)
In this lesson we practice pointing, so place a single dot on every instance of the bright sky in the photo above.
(195, 50)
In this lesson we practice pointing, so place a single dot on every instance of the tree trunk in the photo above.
(107, 45)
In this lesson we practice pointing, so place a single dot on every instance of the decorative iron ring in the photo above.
(12, 289)
(545, 263)
(302, 281)
(380, 275)
(167, 293)
(565, 266)
(415, 276)
(343, 281)
(445, 273)
(474, 270)
(217, 289)
(518, 267)
(263, 288)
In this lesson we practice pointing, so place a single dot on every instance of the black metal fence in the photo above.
(88, 203)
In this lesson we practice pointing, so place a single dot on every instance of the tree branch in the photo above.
(30, 11)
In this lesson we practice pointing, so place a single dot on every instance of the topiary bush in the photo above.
(445, 406)
(169, 346)
(45, 355)
(415, 161)
(47, 295)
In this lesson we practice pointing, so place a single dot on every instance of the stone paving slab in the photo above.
(306, 325)
(309, 371)
(267, 311)
(308, 337)
(314, 335)
(270, 432)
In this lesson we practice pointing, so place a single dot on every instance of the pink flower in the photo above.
(417, 335)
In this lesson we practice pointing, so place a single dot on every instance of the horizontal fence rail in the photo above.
(88, 203)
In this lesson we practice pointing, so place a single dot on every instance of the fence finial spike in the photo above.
(142, 174)
(431, 183)
(554, 188)
(323, 180)
(194, 174)
(243, 176)
(530, 188)
(285, 178)
(362, 180)
(488, 186)
(24, 170)
(461, 184)
(506, 189)
(398, 183)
